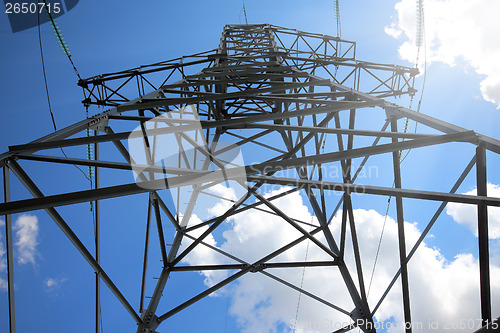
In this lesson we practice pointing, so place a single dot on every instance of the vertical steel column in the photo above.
(482, 231)
(97, 243)
(10, 259)
(161, 238)
(401, 232)
(146, 256)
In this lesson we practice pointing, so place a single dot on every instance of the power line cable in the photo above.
(245, 12)
(302, 279)
(322, 143)
(47, 92)
(44, 76)
(60, 39)
(336, 7)
(66, 51)
(337, 17)
(378, 246)
(420, 41)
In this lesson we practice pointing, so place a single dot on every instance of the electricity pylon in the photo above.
(269, 94)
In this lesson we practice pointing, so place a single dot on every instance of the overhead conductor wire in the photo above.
(336, 7)
(245, 12)
(420, 41)
(322, 145)
(47, 88)
(65, 49)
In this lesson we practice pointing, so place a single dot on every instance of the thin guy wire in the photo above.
(302, 279)
(378, 247)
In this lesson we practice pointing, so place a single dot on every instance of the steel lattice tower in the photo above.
(268, 95)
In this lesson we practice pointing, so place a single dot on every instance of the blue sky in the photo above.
(54, 285)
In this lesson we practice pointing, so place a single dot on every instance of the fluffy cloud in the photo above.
(467, 214)
(52, 284)
(202, 255)
(3, 260)
(26, 228)
(222, 206)
(26, 232)
(441, 289)
(455, 30)
(3, 284)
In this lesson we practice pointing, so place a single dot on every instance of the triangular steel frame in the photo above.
(284, 91)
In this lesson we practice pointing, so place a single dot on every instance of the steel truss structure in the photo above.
(276, 94)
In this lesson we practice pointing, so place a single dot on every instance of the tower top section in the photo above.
(243, 49)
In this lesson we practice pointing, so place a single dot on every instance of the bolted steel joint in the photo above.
(149, 325)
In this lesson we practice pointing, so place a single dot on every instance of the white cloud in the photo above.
(26, 232)
(2, 248)
(3, 260)
(3, 284)
(455, 30)
(202, 255)
(467, 214)
(223, 205)
(393, 31)
(440, 289)
(52, 284)
(26, 227)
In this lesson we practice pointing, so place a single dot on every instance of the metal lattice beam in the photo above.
(272, 92)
